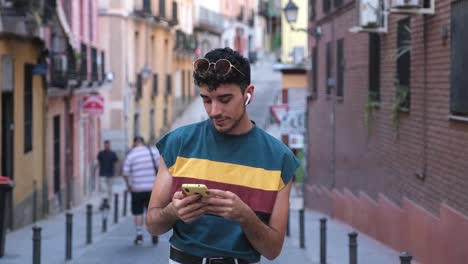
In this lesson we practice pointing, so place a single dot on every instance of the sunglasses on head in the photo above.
(222, 66)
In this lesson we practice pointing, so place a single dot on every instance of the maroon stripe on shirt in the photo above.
(258, 200)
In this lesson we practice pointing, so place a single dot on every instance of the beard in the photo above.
(230, 123)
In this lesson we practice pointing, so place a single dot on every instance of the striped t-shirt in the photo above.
(140, 169)
(255, 166)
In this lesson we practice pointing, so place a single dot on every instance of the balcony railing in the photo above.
(58, 71)
(209, 20)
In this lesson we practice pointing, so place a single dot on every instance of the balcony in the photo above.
(58, 71)
(208, 20)
(185, 42)
(16, 16)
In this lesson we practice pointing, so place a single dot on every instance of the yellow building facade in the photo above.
(22, 132)
(294, 39)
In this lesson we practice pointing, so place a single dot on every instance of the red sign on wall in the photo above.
(93, 104)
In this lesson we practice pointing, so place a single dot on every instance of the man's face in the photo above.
(107, 145)
(225, 107)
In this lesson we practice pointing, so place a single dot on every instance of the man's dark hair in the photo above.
(139, 139)
(214, 80)
(106, 141)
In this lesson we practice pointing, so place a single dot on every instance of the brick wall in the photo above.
(379, 159)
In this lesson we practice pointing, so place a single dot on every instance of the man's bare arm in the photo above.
(164, 210)
(268, 239)
(161, 215)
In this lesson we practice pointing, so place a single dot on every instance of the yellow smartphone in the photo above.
(191, 188)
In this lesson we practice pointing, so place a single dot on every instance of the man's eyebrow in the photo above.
(225, 95)
(203, 96)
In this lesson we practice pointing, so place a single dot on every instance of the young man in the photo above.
(107, 161)
(140, 169)
(247, 171)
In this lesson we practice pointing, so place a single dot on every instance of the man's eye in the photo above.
(206, 101)
(225, 100)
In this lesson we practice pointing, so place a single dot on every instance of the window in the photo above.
(28, 108)
(329, 67)
(338, 3)
(84, 61)
(311, 10)
(103, 66)
(152, 128)
(162, 8)
(374, 66)
(168, 85)
(459, 59)
(314, 72)
(136, 125)
(155, 85)
(139, 87)
(326, 6)
(403, 79)
(94, 64)
(339, 67)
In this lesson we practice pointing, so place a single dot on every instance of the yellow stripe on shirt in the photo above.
(203, 169)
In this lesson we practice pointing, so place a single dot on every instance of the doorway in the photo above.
(56, 159)
(8, 147)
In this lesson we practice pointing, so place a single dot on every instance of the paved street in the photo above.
(116, 246)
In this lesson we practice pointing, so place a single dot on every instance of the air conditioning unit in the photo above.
(370, 13)
(407, 3)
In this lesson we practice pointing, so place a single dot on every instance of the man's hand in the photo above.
(225, 204)
(188, 208)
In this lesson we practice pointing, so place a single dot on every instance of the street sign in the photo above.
(279, 111)
(293, 122)
(296, 141)
(93, 104)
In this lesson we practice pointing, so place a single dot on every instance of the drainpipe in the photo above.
(333, 115)
(68, 143)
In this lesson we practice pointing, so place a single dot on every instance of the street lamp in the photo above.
(145, 72)
(290, 12)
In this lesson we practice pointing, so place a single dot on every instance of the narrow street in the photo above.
(116, 245)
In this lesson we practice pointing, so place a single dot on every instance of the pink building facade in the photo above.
(73, 138)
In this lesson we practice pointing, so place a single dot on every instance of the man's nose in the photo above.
(216, 108)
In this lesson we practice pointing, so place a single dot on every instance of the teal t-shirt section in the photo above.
(211, 236)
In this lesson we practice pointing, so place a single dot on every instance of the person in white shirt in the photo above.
(139, 170)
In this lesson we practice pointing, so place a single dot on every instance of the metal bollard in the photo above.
(89, 224)
(405, 258)
(353, 247)
(116, 208)
(36, 244)
(323, 240)
(68, 236)
(288, 232)
(125, 203)
(301, 228)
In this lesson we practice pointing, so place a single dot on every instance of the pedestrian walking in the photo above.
(247, 171)
(107, 160)
(140, 169)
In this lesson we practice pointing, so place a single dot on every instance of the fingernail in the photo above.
(207, 192)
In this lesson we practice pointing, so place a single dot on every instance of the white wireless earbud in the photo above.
(247, 101)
